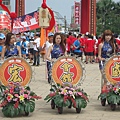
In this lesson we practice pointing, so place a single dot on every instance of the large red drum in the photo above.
(112, 69)
(67, 70)
(15, 70)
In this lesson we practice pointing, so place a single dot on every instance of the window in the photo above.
(6, 2)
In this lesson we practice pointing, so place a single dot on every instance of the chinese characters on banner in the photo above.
(26, 22)
(77, 9)
(5, 22)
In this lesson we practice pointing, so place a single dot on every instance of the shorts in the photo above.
(30, 51)
(78, 53)
(23, 52)
(84, 53)
(89, 53)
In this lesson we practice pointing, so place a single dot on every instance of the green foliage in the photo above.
(80, 102)
(67, 96)
(113, 98)
(58, 99)
(21, 108)
(10, 111)
(102, 96)
(108, 16)
(2, 88)
(17, 100)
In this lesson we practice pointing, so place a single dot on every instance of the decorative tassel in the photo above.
(13, 15)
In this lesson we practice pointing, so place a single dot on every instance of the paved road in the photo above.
(91, 85)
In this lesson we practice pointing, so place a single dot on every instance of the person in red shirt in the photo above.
(84, 43)
(90, 43)
(72, 40)
(96, 49)
(68, 44)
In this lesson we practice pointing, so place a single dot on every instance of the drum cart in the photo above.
(16, 98)
(111, 91)
(67, 75)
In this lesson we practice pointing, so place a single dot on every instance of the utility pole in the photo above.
(65, 23)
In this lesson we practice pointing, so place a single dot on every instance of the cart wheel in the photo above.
(52, 104)
(103, 102)
(118, 103)
(78, 110)
(70, 105)
(113, 107)
(26, 113)
(108, 102)
(60, 110)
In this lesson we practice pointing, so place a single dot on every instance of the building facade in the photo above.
(76, 16)
(86, 18)
(6, 3)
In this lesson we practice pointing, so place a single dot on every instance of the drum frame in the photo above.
(16, 57)
(81, 65)
(104, 74)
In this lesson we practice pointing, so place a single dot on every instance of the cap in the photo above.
(2, 36)
(37, 34)
(50, 34)
(87, 33)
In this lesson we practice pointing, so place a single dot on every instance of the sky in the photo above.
(61, 6)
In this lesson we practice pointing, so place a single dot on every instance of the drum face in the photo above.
(15, 70)
(112, 69)
(67, 70)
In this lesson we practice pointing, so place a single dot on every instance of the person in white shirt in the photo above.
(30, 50)
(36, 50)
(47, 45)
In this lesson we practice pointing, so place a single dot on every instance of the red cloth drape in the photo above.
(12, 14)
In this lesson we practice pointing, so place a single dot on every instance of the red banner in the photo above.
(77, 12)
(26, 22)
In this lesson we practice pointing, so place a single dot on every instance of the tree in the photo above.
(108, 16)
